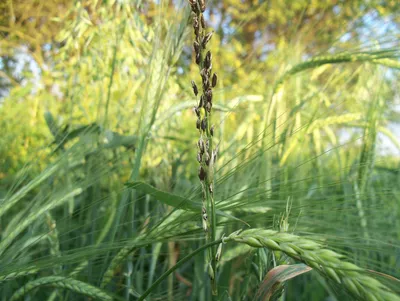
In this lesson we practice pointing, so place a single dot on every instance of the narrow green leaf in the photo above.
(167, 198)
(174, 200)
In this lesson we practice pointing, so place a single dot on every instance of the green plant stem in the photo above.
(210, 200)
(176, 266)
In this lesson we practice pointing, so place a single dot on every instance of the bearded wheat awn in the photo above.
(63, 282)
(327, 262)
(206, 155)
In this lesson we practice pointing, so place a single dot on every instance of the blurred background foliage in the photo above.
(95, 93)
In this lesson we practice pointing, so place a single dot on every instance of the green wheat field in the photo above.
(199, 150)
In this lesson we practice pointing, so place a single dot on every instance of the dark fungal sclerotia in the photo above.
(203, 111)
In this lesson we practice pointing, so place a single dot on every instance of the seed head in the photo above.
(207, 60)
(202, 173)
(202, 5)
(198, 58)
(195, 90)
(203, 23)
(196, 26)
(212, 130)
(197, 111)
(207, 158)
(199, 157)
(204, 124)
(210, 188)
(200, 144)
(206, 83)
(214, 80)
(204, 73)
(198, 123)
(214, 154)
(201, 104)
(206, 39)
(196, 46)
(193, 4)
(208, 107)
(209, 95)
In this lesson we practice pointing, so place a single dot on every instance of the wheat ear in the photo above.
(327, 262)
(63, 282)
